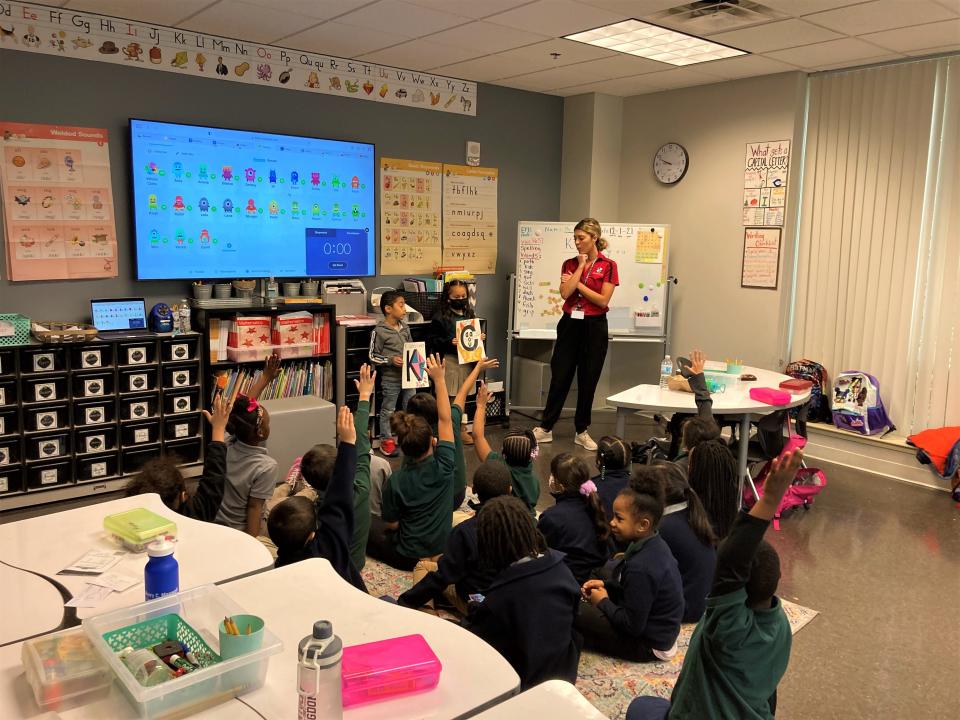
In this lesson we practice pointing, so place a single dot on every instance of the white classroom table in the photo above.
(207, 553)
(290, 599)
(551, 700)
(735, 401)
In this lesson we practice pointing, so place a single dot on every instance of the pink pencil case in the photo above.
(387, 669)
(770, 396)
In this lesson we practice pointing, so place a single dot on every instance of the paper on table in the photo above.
(115, 581)
(94, 563)
(90, 596)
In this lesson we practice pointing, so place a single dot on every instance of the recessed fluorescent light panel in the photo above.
(655, 43)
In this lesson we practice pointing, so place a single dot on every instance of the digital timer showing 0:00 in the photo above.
(337, 248)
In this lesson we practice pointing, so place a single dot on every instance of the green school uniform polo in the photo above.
(736, 659)
(526, 486)
(420, 496)
(460, 471)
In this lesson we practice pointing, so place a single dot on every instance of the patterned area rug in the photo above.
(608, 683)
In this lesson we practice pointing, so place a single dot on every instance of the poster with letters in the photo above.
(765, 169)
(469, 341)
(414, 366)
(761, 258)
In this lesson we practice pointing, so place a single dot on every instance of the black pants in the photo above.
(381, 546)
(600, 635)
(581, 348)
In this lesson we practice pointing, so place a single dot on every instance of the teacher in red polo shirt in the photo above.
(586, 285)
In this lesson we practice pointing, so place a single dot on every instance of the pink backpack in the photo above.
(806, 485)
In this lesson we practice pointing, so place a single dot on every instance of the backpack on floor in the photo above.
(857, 406)
(818, 409)
(806, 485)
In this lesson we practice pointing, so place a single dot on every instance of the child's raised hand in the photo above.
(783, 470)
(488, 364)
(366, 382)
(220, 415)
(346, 430)
(697, 362)
(271, 368)
(483, 395)
(434, 366)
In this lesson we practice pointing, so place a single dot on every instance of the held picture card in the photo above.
(414, 372)
(469, 341)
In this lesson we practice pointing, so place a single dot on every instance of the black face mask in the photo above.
(460, 304)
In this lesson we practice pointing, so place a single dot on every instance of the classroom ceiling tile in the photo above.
(541, 56)
(402, 18)
(550, 79)
(798, 8)
(633, 8)
(933, 51)
(622, 65)
(556, 17)
(880, 15)
(169, 12)
(420, 55)
(487, 37)
(483, 69)
(470, 8)
(919, 37)
(323, 10)
(775, 36)
(335, 38)
(244, 21)
(745, 66)
(861, 62)
(677, 78)
(834, 51)
(623, 87)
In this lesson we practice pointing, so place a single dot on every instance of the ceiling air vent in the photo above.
(704, 17)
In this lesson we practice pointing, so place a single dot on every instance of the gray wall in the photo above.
(520, 133)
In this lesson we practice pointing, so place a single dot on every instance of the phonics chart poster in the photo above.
(765, 169)
(57, 202)
(470, 218)
(411, 194)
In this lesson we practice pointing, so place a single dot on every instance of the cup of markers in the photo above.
(239, 635)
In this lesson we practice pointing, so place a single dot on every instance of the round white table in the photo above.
(553, 699)
(735, 400)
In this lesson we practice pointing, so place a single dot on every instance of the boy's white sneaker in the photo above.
(543, 436)
(584, 440)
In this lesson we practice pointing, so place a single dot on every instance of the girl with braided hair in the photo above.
(528, 610)
(613, 462)
(713, 475)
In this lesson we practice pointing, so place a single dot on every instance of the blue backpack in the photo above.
(857, 406)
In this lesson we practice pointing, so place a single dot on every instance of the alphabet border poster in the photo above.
(470, 218)
(57, 202)
(765, 170)
(761, 258)
(411, 195)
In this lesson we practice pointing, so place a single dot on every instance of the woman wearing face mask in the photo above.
(587, 282)
(442, 338)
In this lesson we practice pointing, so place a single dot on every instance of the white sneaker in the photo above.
(542, 436)
(585, 440)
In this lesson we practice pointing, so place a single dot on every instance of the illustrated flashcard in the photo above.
(415, 366)
(469, 341)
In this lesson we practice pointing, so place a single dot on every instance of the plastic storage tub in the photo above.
(386, 669)
(136, 528)
(198, 612)
(64, 669)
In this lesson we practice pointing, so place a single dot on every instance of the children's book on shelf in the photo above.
(305, 377)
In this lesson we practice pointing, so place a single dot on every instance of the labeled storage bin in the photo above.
(97, 467)
(44, 389)
(48, 474)
(140, 433)
(179, 376)
(137, 380)
(95, 439)
(139, 407)
(94, 412)
(11, 479)
(92, 385)
(91, 357)
(131, 460)
(179, 349)
(9, 452)
(7, 360)
(180, 401)
(48, 417)
(137, 353)
(8, 392)
(192, 616)
(388, 668)
(181, 428)
(47, 447)
(9, 422)
(43, 359)
(64, 670)
(185, 451)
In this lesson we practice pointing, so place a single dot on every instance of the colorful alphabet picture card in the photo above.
(469, 341)
(57, 202)
(414, 366)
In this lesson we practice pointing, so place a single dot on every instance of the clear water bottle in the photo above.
(666, 370)
(161, 576)
(183, 314)
(318, 674)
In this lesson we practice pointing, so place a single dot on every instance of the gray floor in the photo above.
(880, 561)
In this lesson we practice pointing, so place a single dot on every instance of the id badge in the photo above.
(577, 315)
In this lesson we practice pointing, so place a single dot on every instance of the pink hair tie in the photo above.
(252, 406)
(588, 488)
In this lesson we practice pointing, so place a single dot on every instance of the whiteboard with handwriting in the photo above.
(637, 306)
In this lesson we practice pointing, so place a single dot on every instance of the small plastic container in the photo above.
(386, 669)
(178, 349)
(138, 380)
(64, 670)
(296, 350)
(137, 528)
(250, 354)
(770, 396)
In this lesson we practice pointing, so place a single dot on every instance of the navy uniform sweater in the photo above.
(609, 487)
(697, 562)
(568, 527)
(527, 616)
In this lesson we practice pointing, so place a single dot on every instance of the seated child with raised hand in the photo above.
(702, 426)
(518, 451)
(740, 649)
(162, 475)
(575, 525)
(418, 498)
(527, 612)
(686, 528)
(251, 472)
(301, 529)
(613, 462)
(636, 614)
(460, 569)
(713, 476)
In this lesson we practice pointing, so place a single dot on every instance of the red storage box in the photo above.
(796, 386)
(386, 669)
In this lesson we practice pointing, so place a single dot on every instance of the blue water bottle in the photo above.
(162, 573)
